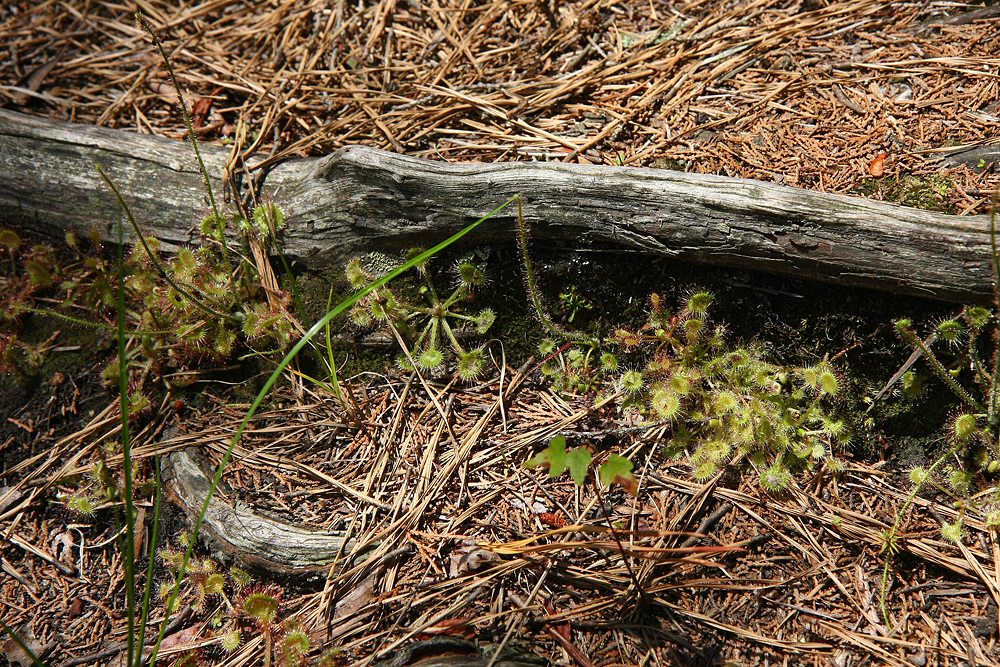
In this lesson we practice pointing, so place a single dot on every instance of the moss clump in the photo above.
(927, 191)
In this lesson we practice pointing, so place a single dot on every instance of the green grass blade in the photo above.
(331, 360)
(144, 620)
(24, 647)
(128, 558)
(316, 328)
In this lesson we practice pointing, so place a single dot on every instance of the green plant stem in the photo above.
(144, 620)
(994, 393)
(895, 527)
(940, 370)
(219, 222)
(614, 533)
(85, 323)
(315, 329)
(451, 336)
(129, 557)
(982, 377)
(535, 294)
(156, 263)
(332, 362)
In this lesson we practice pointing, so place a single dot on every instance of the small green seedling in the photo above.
(616, 470)
(572, 302)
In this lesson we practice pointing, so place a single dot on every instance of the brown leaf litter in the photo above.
(726, 572)
(823, 96)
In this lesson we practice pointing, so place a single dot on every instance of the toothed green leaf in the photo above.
(554, 456)
(578, 460)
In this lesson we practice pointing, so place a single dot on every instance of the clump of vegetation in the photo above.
(952, 351)
(927, 191)
(432, 330)
(725, 401)
(99, 486)
(183, 313)
(26, 274)
(718, 401)
(242, 609)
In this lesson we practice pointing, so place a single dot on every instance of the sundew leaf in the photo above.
(38, 274)
(579, 459)
(554, 457)
(618, 470)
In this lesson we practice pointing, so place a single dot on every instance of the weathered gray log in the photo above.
(454, 652)
(360, 199)
(251, 539)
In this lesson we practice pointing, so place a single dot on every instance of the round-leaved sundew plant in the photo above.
(726, 401)
(433, 329)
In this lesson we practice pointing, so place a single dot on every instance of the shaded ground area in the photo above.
(803, 588)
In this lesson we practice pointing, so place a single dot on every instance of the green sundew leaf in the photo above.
(912, 383)
(949, 330)
(470, 275)
(263, 217)
(485, 320)
(38, 274)
(430, 358)
(214, 584)
(828, 383)
(579, 459)
(186, 258)
(698, 303)
(618, 470)
(978, 316)
(9, 239)
(609, 362)
(554, 457)
(210, 227)
(470, 365)
(413, 253)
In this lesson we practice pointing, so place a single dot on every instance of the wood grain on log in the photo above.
(454, 652)
(360, 199)
(252, 540)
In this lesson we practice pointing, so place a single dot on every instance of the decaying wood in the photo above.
(360, 199)
(249, 538)
(454, 652)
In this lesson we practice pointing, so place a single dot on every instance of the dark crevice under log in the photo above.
(360, 199)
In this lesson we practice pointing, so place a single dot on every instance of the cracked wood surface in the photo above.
(251, 539)
(359, 199)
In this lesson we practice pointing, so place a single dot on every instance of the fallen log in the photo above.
(252, 540)
(358, 199)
